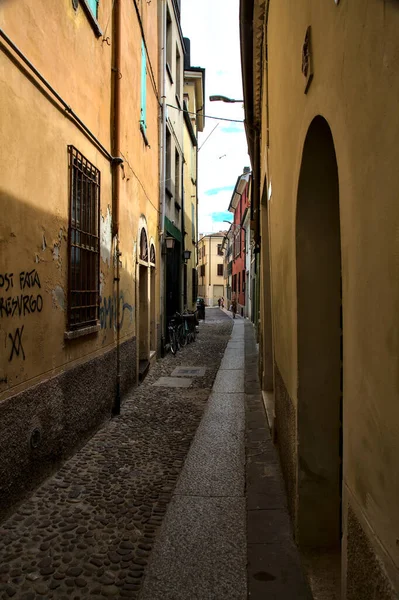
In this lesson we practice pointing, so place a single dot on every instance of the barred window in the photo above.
(84, 236)
(220, 270)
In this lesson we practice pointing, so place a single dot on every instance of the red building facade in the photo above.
(239, 205)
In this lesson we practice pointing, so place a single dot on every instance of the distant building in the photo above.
(193, 104)
(171, 146)
(182, 117)
(210, 267)
(239, 206)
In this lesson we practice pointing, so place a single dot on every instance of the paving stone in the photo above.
(188, 372)
(41, 589)
(110, 590)
(173, 382)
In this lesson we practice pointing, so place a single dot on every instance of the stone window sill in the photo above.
(77, 333)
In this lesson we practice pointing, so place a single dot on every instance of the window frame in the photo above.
(143, 92)
(169, 45)
(85, 196)
(92, 18)
(218, 269)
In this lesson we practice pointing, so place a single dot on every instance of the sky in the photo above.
(213, 29)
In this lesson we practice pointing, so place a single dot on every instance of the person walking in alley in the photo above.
(234, 306)
(219, 302)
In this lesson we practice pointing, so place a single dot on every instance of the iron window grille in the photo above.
(84, 241)
(220, 270)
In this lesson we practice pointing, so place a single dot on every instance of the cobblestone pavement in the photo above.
(88, 531)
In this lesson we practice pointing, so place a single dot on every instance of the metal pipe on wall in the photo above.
(162, 169)
(116, 185)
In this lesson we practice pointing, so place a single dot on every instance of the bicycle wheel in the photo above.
(181, 335)
(172, 340)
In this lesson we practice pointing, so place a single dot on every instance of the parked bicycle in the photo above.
(173, 335)
(182, 329)
(190, 320)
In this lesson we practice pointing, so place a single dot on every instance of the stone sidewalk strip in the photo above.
(274, 567)
(89, 530)
(201, 551)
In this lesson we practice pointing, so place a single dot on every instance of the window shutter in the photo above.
(143, 118)
(93, 5)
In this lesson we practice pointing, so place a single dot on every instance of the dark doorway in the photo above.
(319, 306)
(173, 267)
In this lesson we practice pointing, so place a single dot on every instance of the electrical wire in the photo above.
(139, 180)
(206, 116)
(207, 138)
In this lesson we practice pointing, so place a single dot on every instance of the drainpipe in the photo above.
(183, 245)
(162, 170)
(196, 216)
(116, 184)
(210, 267)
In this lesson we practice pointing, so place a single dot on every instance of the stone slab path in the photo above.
(201, 551)
(227, 533)
(179, 498)
(88, 531)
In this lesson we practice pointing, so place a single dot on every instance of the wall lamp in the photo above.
(170, 243)
(186, 255)
(219, 98)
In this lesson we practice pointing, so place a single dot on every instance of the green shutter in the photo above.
(143, 117)
(193, 221)
(93, 5)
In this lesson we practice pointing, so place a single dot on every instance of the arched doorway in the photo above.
(319, 306)
(153, 325)
(144, 329)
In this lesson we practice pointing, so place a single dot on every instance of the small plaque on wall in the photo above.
(307, 62)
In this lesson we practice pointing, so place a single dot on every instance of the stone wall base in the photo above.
(365, 575)
(43, 425)
(285, 435)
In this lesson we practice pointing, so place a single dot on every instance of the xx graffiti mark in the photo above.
(16, 341)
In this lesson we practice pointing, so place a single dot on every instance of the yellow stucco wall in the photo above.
(190, 193)
(35, 133)
(355, 52)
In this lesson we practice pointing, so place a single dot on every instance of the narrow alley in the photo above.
(173, 499)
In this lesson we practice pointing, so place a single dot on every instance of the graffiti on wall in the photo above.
(20, 297)
(109, 311)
